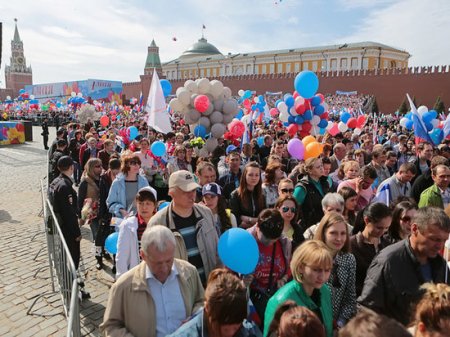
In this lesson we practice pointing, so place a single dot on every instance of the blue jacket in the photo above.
(117, 198)
(195, 328)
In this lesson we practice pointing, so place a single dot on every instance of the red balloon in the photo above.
(104, 121)
(201, 103)
(306, 126)
(274, 112)
(295, 94)
(307, 104)
(182, 122)
(360, 121)
(324, 115)
(247, 103)
(113, 118)
(292, 129)
(321, 97)
(351, 123)
(237, 128)
(300, 109)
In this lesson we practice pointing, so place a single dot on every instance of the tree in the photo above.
(439, 106)
(403, 108)
(374, 107)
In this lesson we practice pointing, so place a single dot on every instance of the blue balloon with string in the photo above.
(111, 243)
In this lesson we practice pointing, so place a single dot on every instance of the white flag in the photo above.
(158, 117)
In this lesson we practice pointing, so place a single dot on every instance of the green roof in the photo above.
(201, 48)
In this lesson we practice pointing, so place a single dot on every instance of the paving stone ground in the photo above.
(24, 272)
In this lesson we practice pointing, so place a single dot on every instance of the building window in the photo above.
(288, 67)
(354, 63)
(256, 69)
(227, 70)
(264, 69)
(248, 69)
(343, 64)
(314, 66)
(272, 68)
(207, 72)
(392, 64)
(365, 62)
(333, 64)
(214, 72)
(297, 67)
(385, 64)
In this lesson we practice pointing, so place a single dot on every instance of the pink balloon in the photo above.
(296, 148)
(274, 112)
(360, 121)
(104, 121)
(352, 123)
(334, 130)
(237, 128)
(201, 103)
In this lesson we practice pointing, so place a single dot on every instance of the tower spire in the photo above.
(16, 32)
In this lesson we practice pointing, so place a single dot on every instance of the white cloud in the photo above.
(419, 27)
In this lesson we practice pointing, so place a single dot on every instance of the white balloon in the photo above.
(241, 93)
(329, 126)
(293, 112)
(218, 130)
(325, 106)
(184, 96)
(282, 107)
(284, 116)
(216, 88)
(256, 99)
(9, 98)
(357, 131)
(315, 130)
(204, 121)
(315, 120)
(422, 109)
(299, 101)
(227, 92)
(435, 123)
(403, 121)
(191, 86)
(80, 94)
(203, 86)
(342, 127)
(211, 144)
(31, 97)
(73, 94)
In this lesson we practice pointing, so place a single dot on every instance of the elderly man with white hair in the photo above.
(155, 297)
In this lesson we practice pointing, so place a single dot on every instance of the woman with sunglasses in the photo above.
(89, 197)
(402, 216)
(287, 206)
(124, 188)
(333, 231)
(272, 270)
(285, 187)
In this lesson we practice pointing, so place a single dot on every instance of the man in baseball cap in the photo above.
(194, 223)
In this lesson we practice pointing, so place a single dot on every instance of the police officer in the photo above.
(61, 145)
(64, 200)
(45, 133)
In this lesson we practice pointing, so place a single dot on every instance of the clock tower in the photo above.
(17, 74)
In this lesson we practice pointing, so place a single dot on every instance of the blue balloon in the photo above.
(289, 100)
(260, 141)
(433, 114)
(21, 91)
(315, 101)
(318, 110)
(308, 115)
(254, 107)
(427, 117)
(239, 115)
(345, 116)
(200, 131)
(20, 98)
(111, 243)
(166, 87)
(158, 149)
(291, 119)
(323, 123)
(238, 250)
(299, 120)
(286, 124)
(429, 126)
(409, 124)
(306, 83)
(163, 205)
(322, 131)
(133, 132)
(409, 115)
(261, 99)
(247, 94)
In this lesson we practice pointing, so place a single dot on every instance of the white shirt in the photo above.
(169, 303)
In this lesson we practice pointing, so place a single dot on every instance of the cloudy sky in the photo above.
(108, 39)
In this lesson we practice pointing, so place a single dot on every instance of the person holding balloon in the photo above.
(247, 201)
(272, 270)
(131, 230)
(147, 162)
(123, 190)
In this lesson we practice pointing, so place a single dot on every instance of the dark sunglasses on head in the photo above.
(285, 209)
(133, 162)
(406, 218)
(287, 190)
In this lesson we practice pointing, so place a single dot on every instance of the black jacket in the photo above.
(392, 285)
(64, 201)
(311, 209)
(421, 183)
(238, 208)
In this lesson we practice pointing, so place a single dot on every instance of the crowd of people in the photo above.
(344, 237)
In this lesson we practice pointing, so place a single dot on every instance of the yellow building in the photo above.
(203, 59)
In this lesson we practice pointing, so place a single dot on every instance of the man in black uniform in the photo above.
(61, 145)
(64, 200)
(45, 133)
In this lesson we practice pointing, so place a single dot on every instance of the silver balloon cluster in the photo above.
(213, 114)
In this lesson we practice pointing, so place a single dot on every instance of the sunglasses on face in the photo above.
(285, 209)
(287, 190)
(132, 163)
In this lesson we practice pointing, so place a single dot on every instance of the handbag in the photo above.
(259, 298)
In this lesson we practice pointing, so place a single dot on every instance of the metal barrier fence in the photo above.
(63, 273)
